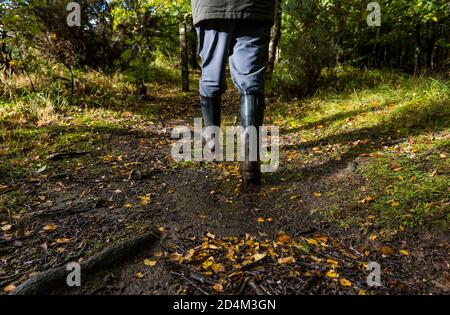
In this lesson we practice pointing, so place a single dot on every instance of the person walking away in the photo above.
(237, 30)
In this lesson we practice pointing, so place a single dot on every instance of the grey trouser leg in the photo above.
(245, 43)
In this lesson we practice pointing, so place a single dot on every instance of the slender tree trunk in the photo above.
(184, 57)
(274, 39)
(417, 52)
(193, 48)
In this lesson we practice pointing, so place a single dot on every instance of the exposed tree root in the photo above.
(54, 278)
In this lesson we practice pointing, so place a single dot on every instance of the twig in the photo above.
(255, 287)
(190, 282)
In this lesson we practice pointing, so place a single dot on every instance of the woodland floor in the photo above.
(310, 229)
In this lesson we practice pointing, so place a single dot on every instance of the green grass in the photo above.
(389, 119)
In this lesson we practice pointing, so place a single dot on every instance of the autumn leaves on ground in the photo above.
(363, 179)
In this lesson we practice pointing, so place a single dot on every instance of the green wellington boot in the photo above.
(252, 114)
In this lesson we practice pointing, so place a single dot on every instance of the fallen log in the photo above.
(56, 278)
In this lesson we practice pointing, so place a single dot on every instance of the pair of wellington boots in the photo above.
(252, 115)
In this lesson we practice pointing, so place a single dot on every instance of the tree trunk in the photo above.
(417, 51)
(184, 57)
(274, 39)
(193, 48)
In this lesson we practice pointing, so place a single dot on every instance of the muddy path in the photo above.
(214, 238)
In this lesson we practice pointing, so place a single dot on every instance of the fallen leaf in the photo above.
(283, 238)
(189, 254)
(6, 228)
(218, 287)
(150, 263)
(367, 199)
(312, 241)
(332, 262)
(217, 267)
(404, 252)
(322, 239)
(176, 257)
(208, 263)
(139, 275)
(317, 194)
(63, 240)
(386, 250)
(345, 283)
(286, 260)
(259, 256)
(9, 288)
(49, 227)
(145, 200)
(331, 274)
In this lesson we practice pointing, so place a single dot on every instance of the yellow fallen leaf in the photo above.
(312, 241)
(404, 252)
(145, 200)
(49, 227)
(230, 254)
(373, 237)
(218, 267)
(362, 292)
(210, 235)
(286, 260)
(176, 257)
(6, 228)
(322, 239)
(63, 240)
(189, 254)
(259, 256)
(139, 275)
(9, 288)
(345, 283)
(368, 199)
(283, 238)
(332, 262)
(208, 263)
(161, 229)
(150, 263)
(218, 287)
(386, 250)
(331, 274)
(317, 194)
(261, 220)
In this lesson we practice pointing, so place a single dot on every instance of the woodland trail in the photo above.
(213, 238)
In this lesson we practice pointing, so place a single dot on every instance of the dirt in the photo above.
(129, 184)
